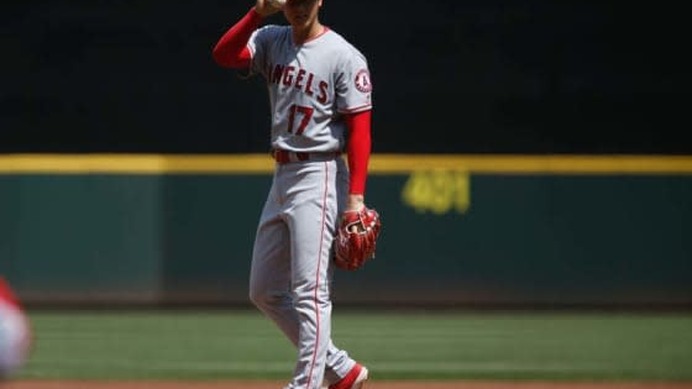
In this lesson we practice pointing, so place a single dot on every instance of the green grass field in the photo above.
(243, 344)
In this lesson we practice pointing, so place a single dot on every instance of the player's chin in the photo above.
(298, 21)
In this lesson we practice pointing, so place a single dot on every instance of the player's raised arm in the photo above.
(231, 50)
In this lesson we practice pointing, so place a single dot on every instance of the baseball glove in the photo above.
(356, 238)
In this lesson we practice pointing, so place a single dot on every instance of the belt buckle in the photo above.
(281, 156)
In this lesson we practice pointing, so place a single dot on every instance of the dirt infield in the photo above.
(371, 385)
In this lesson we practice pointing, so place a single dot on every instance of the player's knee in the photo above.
(255, 297)
(262, 297)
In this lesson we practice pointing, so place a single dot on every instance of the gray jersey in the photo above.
(310, 87)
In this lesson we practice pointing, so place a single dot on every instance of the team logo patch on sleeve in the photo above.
(362, 81)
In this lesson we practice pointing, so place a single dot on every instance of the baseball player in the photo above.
(320, 103)
(16, 338)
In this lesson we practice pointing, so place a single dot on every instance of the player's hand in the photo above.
(356, 238)
(266, 7)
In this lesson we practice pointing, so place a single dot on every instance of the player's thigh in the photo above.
(271, 256)
(312, 225)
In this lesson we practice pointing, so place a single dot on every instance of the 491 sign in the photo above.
(438, 191)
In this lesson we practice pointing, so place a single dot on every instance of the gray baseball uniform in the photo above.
(310, 87)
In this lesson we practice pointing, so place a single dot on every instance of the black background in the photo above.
(450, 76)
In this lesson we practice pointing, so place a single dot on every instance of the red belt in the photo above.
(283, 156)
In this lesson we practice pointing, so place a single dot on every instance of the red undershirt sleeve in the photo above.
(231, 50)
(358, 149)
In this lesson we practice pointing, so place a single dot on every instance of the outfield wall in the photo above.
(150, 229)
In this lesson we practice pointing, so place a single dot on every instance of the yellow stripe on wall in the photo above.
(135, 164)
(536, 164)
(379, 164)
